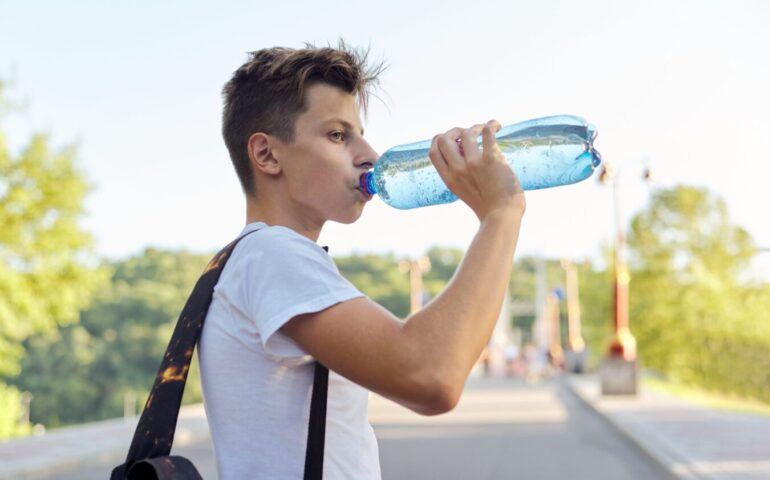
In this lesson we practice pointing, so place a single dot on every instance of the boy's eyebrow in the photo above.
(344, 123)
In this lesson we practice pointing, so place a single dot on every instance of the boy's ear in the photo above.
(261, 154)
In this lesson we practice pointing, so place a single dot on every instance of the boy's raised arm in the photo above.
(424, 363)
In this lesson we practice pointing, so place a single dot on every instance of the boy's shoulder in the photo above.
(274, 240)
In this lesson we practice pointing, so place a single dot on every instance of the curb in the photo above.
(675, 465)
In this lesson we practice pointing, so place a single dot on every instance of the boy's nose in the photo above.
(367, 157)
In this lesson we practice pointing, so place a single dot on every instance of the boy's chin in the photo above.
(349, 218)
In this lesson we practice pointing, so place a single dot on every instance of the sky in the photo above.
(679, 86)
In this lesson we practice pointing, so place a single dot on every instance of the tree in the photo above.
(596, 305)
(443, 263)
(693, 309)
(379, 278)
(11, 412)
(47, 273)
(115, 350)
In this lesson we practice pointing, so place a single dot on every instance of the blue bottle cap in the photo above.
(366, 183)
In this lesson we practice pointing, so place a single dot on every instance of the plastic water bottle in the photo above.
(543, 152)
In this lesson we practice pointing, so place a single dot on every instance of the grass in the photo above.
(706, 398)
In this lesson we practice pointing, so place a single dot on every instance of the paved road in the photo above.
(500, 430)
(506, 430)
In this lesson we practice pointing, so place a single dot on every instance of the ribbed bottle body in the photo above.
(544, 152)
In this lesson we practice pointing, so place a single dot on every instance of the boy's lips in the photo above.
(364, 194)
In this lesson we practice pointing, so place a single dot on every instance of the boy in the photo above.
(292, 126)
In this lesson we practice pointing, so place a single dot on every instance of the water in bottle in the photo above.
(543, 152)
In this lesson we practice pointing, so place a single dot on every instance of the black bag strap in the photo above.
(316, 431)
(154, 433)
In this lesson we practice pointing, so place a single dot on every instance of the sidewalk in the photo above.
(691, 441)
(83, 446)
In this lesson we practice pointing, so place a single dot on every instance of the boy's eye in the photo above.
(337, 136)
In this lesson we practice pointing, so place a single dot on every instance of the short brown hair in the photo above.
(267, 93)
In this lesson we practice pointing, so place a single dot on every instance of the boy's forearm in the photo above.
(453, 329)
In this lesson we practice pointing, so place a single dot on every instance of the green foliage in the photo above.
(383, 280)
(379, 278)
(117, 347)
(443, 263)
(596, 303)
(83, 372)
(693, 310)
(47, 273)
(686, 232)
(10, 413)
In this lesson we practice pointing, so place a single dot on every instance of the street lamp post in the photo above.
(575, 355)
(415, 268)
(26, 400)
(618, 371)
(623, 343)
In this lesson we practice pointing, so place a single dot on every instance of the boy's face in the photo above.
(321, 167)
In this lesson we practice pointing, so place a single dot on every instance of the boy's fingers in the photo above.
(447, 144)
(488, 134)
(457, 145)
(469, 141)
(437, 158)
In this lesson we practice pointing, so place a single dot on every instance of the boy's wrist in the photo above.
(508, 213)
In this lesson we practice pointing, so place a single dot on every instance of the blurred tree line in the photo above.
(85, 336)
(696, 313)
(85, 371)
(47, 270)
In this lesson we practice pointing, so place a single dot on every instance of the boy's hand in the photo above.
(481, 179)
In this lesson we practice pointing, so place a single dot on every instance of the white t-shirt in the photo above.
(257, 382)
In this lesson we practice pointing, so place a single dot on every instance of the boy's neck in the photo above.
(272, 214)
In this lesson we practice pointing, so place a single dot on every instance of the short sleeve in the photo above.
(288, 275)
